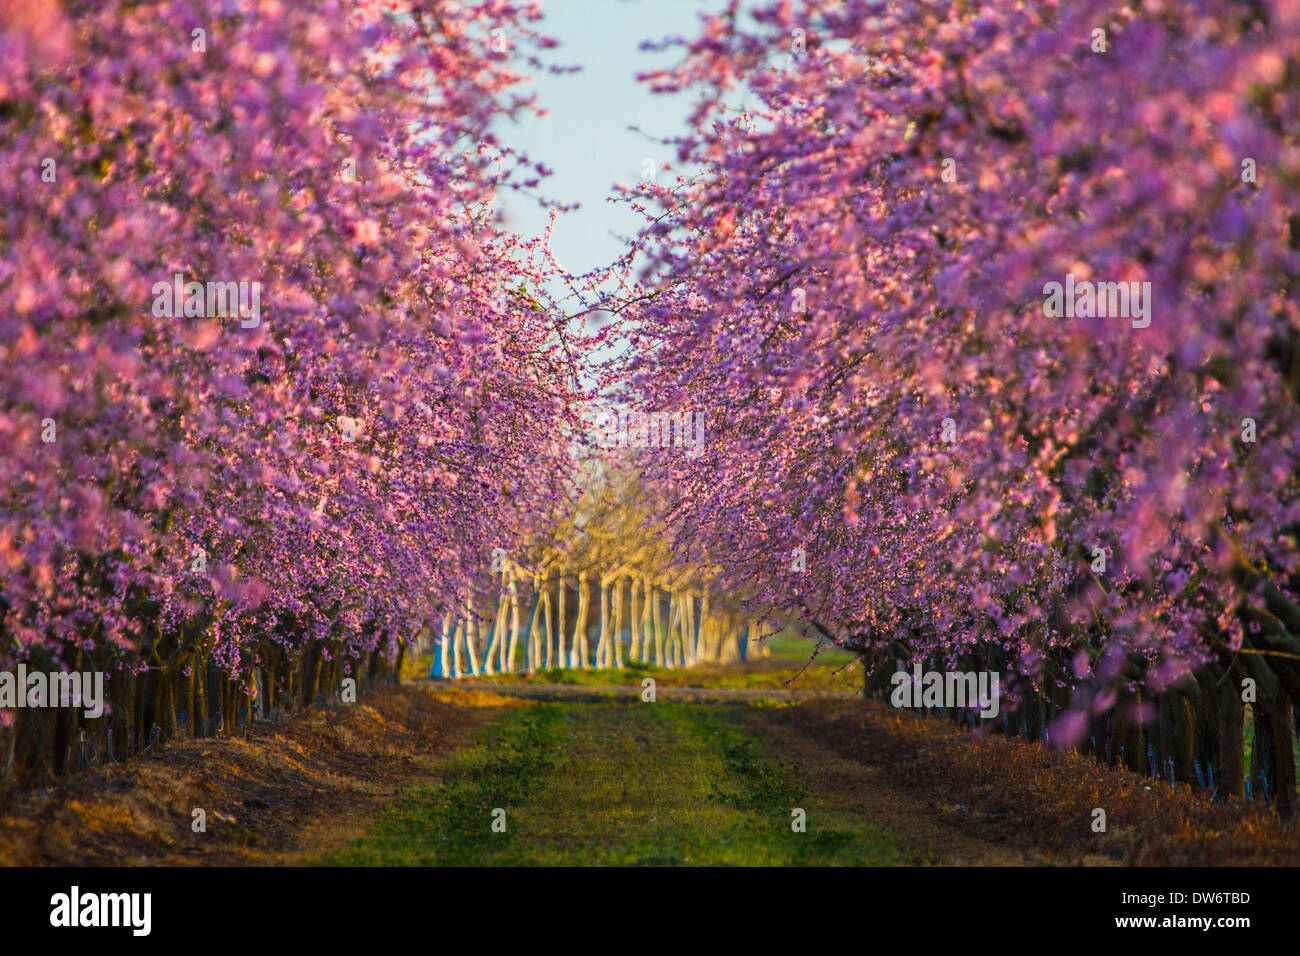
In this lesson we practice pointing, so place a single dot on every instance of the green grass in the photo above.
(787, 647)
(760, 675)
(615, 783)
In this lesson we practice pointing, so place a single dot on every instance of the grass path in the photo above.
(586, 773)
(665, 692)
(621, 783)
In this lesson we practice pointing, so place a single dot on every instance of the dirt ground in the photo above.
(291, 790)
(995, 800)
(285, 791)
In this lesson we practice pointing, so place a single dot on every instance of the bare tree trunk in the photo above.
(457, 640)
(602, 643)
(731, 644)
(444, 648)
(616, 634)
(690, 650)
(503, 627)
(580, 623)
(634, 621)
(471, 632)
(499, 627)
(516, 624)
(586, 624)
(1232, 761)
(494, 638)
(532, 649)
(673, 651)
(649, 617)
(704, 649)
(561, 650)
(1283, 756)
(547, 661)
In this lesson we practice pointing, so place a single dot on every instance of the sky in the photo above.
(586, 139)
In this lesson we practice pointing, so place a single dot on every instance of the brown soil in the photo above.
(862, 769)
(291, 790)
(285, 791)
(993, 800)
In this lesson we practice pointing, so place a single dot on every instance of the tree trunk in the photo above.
(547, 632)
(561, 648)
(457, 641)
(444, 648)
(602, 644)
(532, 648)
(1283, 756)
(471, 635)
(656, 621)
(580, 650)
(516, 623)
(616, 631)
(634, 620)
(1231, 775)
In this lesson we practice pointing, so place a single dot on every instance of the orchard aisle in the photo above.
(585, 771)
(704, 775)
(618, 783)
(712, 772)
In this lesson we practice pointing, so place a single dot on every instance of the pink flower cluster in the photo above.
(856, 282)
(336, 469)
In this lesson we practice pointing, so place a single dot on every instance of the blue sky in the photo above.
(586, 138)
